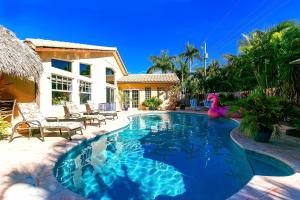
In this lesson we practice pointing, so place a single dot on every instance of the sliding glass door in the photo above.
(131, 98)
(110, 95)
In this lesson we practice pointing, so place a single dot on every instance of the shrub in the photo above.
(153, 103)
(3, 127)
(261, 112)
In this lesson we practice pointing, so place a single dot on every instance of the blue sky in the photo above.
(142, 28)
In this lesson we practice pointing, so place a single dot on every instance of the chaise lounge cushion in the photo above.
(98, 117)
(31, 112)
(69, 125)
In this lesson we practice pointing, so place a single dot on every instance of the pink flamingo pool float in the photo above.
(215, 111)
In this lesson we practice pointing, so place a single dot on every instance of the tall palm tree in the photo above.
(190, 54)
(163, 63)
(183, 70)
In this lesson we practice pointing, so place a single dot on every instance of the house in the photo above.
(79, 73)
(76, 72)
(139, 87)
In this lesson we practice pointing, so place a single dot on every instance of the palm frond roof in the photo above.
(17, 58)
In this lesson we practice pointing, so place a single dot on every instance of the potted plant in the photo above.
(153, 103)
(124, 100)
(293, 119)
(262, 114)
(134, 102)
(182, 104)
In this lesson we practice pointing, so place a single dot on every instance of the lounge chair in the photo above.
(7, 109)
(34, 119)
(71, 110)
(103, 109)
(207, 104)
(194, 104)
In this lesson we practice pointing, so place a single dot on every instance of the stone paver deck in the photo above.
(286, 149)
(26, 166)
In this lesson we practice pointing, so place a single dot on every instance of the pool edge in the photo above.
(248, 191)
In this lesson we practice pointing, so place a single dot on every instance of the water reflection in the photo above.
(177, 156)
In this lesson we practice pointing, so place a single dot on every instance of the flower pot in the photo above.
(293, 132)
(263, 135)
(182, 107)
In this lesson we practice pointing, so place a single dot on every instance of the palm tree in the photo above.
(163, 63)
(183, 70)
(284, 39)
(190, 53)
(268, 54)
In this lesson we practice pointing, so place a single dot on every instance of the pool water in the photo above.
(162, 156)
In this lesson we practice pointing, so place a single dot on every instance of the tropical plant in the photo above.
(153, 103)
(261, 114)
(195, 83)
(124, 99)
(58, 100)
(163, 63)
(3, 127)
(173, 94)
(190, 54)
(183, 69)
(268, 55)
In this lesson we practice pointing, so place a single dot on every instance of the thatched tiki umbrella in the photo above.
(17, 58)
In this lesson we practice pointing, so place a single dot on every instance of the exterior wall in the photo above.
(15, 88)
(141, 87)
(97, 79)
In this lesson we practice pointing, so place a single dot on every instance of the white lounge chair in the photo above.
(92, 109)
(34, 119)
(71, 110)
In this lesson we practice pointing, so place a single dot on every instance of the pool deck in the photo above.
(27, 165)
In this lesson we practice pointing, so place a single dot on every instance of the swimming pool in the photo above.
(164, 156)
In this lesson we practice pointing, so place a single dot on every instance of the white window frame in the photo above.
(63, 79)
(147, 95)
(86, 89)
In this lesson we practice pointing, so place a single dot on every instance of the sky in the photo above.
(140, 28)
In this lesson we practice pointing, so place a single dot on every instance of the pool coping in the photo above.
(257, 188)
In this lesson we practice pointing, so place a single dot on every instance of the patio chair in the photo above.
(103, 109)
(194, 104)
(207, 104)
(71, 110)
(7, 108)
(34, 119)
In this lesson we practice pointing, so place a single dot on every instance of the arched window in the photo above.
(110, 76)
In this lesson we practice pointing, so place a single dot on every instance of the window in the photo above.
(84, 92)
(61, 64)
(110, 76)
(61, 89)
(135, 98)
(85, 70)
(110, 95)
(147, 93)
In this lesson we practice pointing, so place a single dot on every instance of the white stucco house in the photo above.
(78, 73)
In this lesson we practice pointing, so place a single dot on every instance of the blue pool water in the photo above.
(163, 156)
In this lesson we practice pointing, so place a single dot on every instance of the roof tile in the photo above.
(149, 78)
